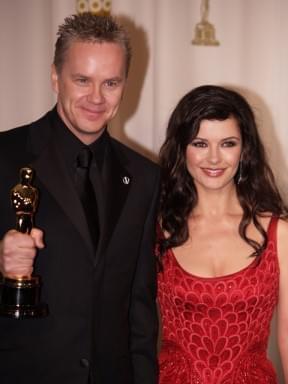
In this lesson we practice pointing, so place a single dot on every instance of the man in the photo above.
(99, 286)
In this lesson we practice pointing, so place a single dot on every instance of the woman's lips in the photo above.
(213, 172)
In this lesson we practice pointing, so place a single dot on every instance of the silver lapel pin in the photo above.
(126, 180)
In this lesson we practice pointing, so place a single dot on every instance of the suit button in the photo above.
(84, 363)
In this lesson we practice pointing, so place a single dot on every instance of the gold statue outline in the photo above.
(24, 199)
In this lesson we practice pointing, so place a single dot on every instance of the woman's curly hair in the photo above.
(256, 191)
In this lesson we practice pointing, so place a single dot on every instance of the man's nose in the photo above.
(95, 94)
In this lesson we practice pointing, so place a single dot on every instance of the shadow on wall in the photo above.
(273, 350)
(269, 138)
(275, 157)
(138, 69)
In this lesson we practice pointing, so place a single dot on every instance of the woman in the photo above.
(223, 245)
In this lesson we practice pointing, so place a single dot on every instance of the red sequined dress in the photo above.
(215, 330)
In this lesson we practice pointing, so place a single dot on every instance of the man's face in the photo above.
(89, 86)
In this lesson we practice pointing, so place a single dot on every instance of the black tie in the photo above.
(86, 192)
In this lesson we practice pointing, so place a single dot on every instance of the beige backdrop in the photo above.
(252, 57)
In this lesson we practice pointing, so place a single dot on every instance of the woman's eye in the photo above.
(229, 144)
(199, 144)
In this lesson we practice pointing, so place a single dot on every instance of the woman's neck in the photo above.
(217, 203)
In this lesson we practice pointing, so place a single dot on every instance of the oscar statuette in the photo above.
(20, 295)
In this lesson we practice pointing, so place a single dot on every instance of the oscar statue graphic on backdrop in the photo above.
(20, 295)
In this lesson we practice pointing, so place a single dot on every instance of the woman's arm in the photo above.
(282, 322)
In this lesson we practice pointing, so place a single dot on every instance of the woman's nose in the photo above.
(214, 155)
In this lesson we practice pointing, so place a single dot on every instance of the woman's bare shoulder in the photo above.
(283, 226)
(282, 240)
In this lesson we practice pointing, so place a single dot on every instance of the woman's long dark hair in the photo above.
(257, 191)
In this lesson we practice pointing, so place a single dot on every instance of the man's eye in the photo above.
(81, 80)
(111, 83)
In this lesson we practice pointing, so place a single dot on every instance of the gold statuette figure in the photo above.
(20, 296)
(24, 199)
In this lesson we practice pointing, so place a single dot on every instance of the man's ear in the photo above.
(54, 79)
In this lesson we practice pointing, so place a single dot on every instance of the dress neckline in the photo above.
(255, 262)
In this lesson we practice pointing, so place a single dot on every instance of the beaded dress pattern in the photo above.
(215, 330)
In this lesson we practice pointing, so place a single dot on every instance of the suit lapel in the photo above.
(50, 170)
(116, 182)
(111, 187)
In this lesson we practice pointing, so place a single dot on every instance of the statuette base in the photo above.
(20, 298)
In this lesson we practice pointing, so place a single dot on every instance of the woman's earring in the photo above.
(240, 172)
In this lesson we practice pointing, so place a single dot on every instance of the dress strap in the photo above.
(159, 231)
(272, 229)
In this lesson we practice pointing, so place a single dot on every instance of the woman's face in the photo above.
(213, 156)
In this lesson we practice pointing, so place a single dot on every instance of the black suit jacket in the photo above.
(102, 323)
